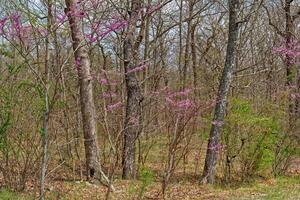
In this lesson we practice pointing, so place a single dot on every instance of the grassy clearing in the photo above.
(9, 195)
(280, 188)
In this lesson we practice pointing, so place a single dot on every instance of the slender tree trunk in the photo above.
(133, 119)
(297, 103)
(146, 47)
(180, 43)
(213, 142)
(45, 142)
(194, 59)
(86, 92)
(187, 43)
(146, 114)
(288, 59)
(45, 138)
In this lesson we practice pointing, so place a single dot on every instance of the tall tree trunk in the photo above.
(133, 119)
(288, 59)
(180, 43)
(45, 138)
(297, 103)
(187, 43)
(194, 59)
(213, 142)
(86, 92)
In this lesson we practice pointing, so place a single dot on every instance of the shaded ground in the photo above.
(272, 189)
(183, 186)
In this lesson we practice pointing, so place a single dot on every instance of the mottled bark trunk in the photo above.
(187, 44)
(194, 60)
(146, 47)
(45, 133)
(86, 92)
(213, 142)
(133, 119)
(288, 59)
(180, 43)
(297, 103)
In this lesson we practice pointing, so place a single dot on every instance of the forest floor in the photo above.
(272, 189)
(184, 185)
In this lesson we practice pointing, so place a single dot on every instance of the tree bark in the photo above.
(213, 142)
(133, 119)
(194, 60)
(288, 59)
(45, 132)
(187, 44)
(180, 43)
(86, 92)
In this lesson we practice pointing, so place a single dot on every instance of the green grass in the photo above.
(9, 195)
(282, 188)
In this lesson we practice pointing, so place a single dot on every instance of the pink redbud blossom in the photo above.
(103, 81)
(108, 94)
(182, 93)
(2, 23)
(185, 104)
(137, 69)
(113, 106)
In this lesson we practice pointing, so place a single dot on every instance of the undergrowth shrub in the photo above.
(253, 138)
(19, 143)
(146, 178)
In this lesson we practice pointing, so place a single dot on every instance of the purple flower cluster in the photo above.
(180, 104)
(137, 69)
(108, 94)
(99, 32)
(2, 23)
(290, 50)
(114, 106)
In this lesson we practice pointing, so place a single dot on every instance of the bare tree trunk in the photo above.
(288, 59)
(297, 103)
(133, 119)
(213, 143)
(194, 59)
(146, 114)
(86, 92)
(187, 43)
(45, 147)
(180, 43)
(45, 138)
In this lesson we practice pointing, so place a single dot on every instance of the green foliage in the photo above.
(146, 179)
(42, 132)
(13, 69)
(9, 195)
(21, 109)
(6, 53)
(250, 136)
(240, 107)
(33, 87)
(3, 129)
(5, 117)
(281, 188)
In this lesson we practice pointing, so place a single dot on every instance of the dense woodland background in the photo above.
(149, 99)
